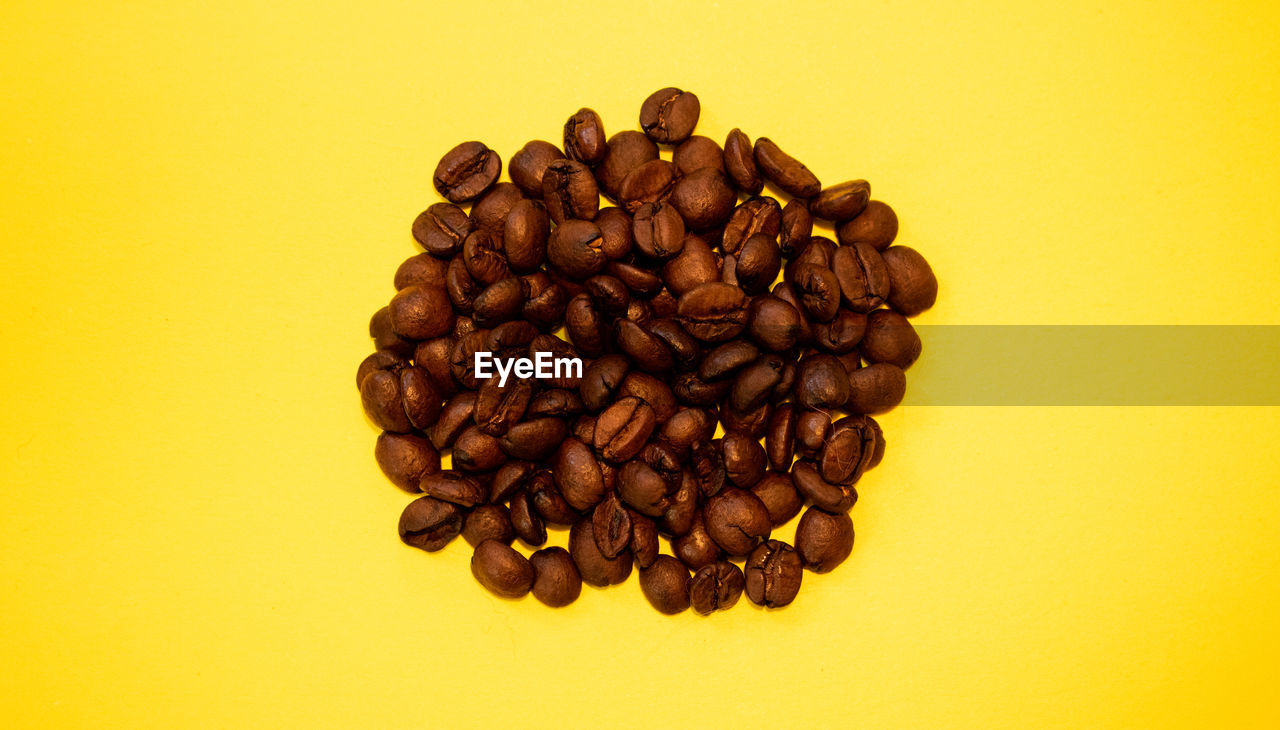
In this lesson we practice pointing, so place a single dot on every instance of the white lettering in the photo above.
(504, 372)
(524, 368)
(568, 363)
(543, 360)
(483, 360)
(543, 365)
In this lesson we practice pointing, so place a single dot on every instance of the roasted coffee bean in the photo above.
(695, 264)
(556, 582)
(780, 498)
(525, 233)
(847, 451)
(744, 459)
(385, 338)
(484, 257)
(466, 171)
(406, 458)
(638, 281)
(534, 439)
(557, 349)
(694, 391)
(652, 391)
(877, 225)
(677, 518)
(669, 115)
(455, 487)
(644, 489)
(727, 359)
(683, 346)
(430, 524)
(585, 325)
(695, 548)
(704, 198)
(812, 429)
(577, 474)
(877, 388)
(716, 587)
(510, 339)
(441, 228)
(890, 338)
(841, 202)
(779, 442)
(555, 403)
(644, 540)
(697, 153)
(570, 192)
(758, 263)
(381, 360)
(828, 496)
(842, 334)
(822, 382)
(499, 302)
(455, 417)
(623, 428)
(584, 138)
(423, 269)
(753, 423)
(757, 215)
(755, 383)
(773, 323)
(595, 567)
(914, 288)
(491, 209)
(785, 291)
(526, 521)
(502, 570)
(647, 351)
(665, 585)
(611, 526)
(576, 249)
(658, 231)
(796, 227)
(547, 500)
(713, 312)
(740, 163)
(476, 451)
(615, 228)
(421, 312)
(737, 520)
(422, 401)
(687, 427)
(600, 381)
(460, 286)
(863, 277)
(529, 164)
(651, 182)
(824, 540)
(773, 574)
(626, 151)
(784, 170)
(706, 465)
(508, 479)
(819, 291)
(488, 522)
(609, 293)
(383, 401)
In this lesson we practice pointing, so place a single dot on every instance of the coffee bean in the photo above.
(877, 388)
(441, 228)
(913, 285)
(584, 138)
(744, 459)
(842, 334)
(569, 191)
(713, 312)
(824, 540)
(828, 496)
(695, 548)
(658, 231)
(757, 215)
(626, 151)
(697, 153)
(758, 263)
(476, 451)
(716, 587)
(611, 526)
(488, 522)
(665, 585)
(595, 567)
(406, 458)
(847, 451)
(841, 202)
(669, 115)
(651, 182)
(890, 338)
(737, 520)
(773, 574)
(877, 225)
(501, 569)
(526, 521)
(529, 164)
(863, 277)
(796, 227)
(703, 198)
(430, 524)
(623, 428)
(784, 170)
(822, 382)
(466, 171)
(556, 582)
(577, 474)
(780, 497)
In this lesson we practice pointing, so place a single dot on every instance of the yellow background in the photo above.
(201, 206)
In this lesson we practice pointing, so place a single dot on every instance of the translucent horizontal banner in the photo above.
(1096, 365)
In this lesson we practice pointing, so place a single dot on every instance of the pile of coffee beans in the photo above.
(699, 297)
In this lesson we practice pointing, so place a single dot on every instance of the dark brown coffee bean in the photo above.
(648, 352)
(819, 291)
(651, 182)
(841, 202)
(595, 567)
(615, 229)
(455, 487)
(669, 115)
(466, 171)
(863, 277)
(914, 288)
(812, 429)
(385, 338)
(713, 312)
(460, 286)
(510, 339)
(455, 417)
(556, 403)
(744, 459)
(755, 383)
(706, 466)
(696, 153)
(488, 522)
(600, 381)
(877, 225)
(502, 570)
(584, 138)
(796, 227)
(405, 459)
(508, 479)
(687, 427)
(529, 164)
(683, 346)
(665, 585)
(430, 524)
(758, 263)
(611, 526)
(577, 474)
(491, 209)
(526, 522)
(484, 257)
(695, 548)
(773, 574)
(476, 451)
(727, 359)
(779, 443)
(585, 325)
(569, 191)
(890, 338)
(695, 264)
(847, 451)
(753, 423)
(644, 539)
(556, 582)
(737, 520)
(422, 401)
(757, 215)
(773, 323)
(658, 231)
(828, 496)
(381, 360)
(677, 518)
(421, 312)
(383, 401)
(784, 170)
(842, 334)
(534, 439)
(779, 496)
(822, 382)
(525, 233)
(644, 489)
(626, 151)
(441, 228)
(716, 587)
(499, 302)
(610, 295)
(740, 163)
(421, 269)
(575, 249)
(546, 498)
(623, 428)
(877, 388)
(557, 349)
(703, 198)
(824, 540)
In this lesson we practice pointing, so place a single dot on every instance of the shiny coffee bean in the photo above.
(757, 215)
(584, 138)
(736, 520)
(669, 115)
(890, 338)
(822, 382)
(441, 228)
(779, 443)
(697, 153)
(595, 567)
(466, 171)
(534, 439)
(556, 582)
(877, 225)
(626, 151)
(529, 164)
(877, 388)
(575, 249)
(611, 526)
(491, 210)
(773, 574)
(665, 585)
(476, 451)
(651, 182)
(623, 428)
(569, 191)
(913, 288)
(740, 163)
(525, 234)
(716, 587)
(695, 264)
(841, 202)
(863, 277)
(658, 231)
(703, 198)
(406, 458)
(828, 496)
(526, 521)
(744, 459)
(758, 263)
(824, 540)
(796, 227)
(784, 170)
(780, 497)
(577, 475)
(502, 570)
(430, 524)
(842, 334)
(488, 522)
(454, 487)
(695, 548)
(421, 312)
(713, 312)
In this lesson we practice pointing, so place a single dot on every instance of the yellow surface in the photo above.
(201, 207)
